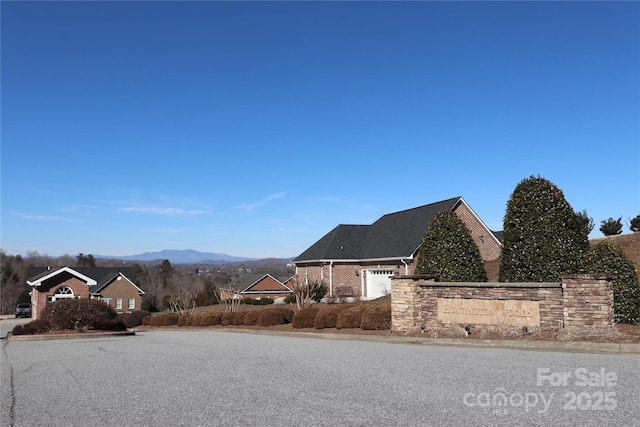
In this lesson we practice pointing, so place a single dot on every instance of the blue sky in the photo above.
(253, 129)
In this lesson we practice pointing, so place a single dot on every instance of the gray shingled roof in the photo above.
(395, 235)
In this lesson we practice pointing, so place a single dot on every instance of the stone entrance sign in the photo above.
(489, 312)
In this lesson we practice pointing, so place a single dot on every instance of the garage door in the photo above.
(378, 282)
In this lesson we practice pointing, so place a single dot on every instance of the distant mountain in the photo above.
(187, 256)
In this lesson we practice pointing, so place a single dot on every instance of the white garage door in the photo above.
(378, 282)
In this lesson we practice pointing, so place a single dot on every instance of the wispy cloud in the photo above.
(37, 217)
(162, 210)
(248, 207)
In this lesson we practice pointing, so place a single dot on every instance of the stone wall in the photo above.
(577, 301)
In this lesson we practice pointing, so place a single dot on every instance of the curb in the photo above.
(44, 337)
(564, 346)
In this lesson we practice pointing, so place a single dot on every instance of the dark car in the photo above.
(23, 310)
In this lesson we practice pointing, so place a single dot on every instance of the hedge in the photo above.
(275, 316)
(251, 318)
(350, 318)
(133, 319)
(376, 318)
(305, 317)
(328, 317)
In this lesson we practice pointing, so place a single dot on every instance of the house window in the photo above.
(119, 304)
(132, 303)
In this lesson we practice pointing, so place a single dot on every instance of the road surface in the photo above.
(221, 378)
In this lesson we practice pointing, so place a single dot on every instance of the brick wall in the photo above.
(578, 301)
(487, 244)
(123, 289)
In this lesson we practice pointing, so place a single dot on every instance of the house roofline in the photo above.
(327, 261)
(120, 273)
(462, 200)
(90, 282)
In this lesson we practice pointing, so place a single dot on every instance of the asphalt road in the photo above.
(218, 378)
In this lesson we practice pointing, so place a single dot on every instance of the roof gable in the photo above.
(109, 278)
(266, 283)
(97, 278)
(47, 273)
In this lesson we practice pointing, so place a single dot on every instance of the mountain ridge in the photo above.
(177, 256)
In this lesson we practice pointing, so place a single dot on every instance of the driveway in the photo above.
(220, 378)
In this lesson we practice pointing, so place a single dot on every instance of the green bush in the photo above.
(544, 238)
(146, 305)
(449, 252)
(328, 317)
(305, 317)
(133, 319)
(290, 299)
(376, 317)
(77, 313)
(350, 318)
(275, 316)
(607, 258)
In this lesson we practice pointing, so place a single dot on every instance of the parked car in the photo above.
(23, 310)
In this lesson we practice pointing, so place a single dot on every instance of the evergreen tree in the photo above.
(543, 238)
(607, 258)
(634, 224)
(611, 227)
(449, 252)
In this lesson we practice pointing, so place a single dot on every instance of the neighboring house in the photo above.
(256, 285)
(115, 286)
(358, 260)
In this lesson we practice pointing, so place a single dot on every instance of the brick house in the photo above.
(358, 260)
(257, 285)
(113, 285)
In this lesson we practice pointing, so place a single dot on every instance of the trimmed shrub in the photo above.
(77, 313)
(211, 319)
(607, 258)
(184, 320)
(146, 321)
(170, 319)
(328, 317)
(34, 327)
(544, 238)
(110, 325)
(133, 319)
(251, 318)
(275, 316)
(227, 319)
(350, 318)
(449, 252)
(305, 317)
(376, 318)
(238, 318)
